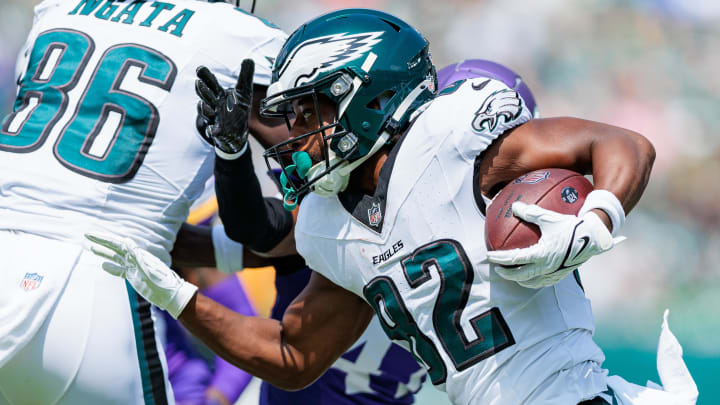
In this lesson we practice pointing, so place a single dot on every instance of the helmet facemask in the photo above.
(337, 144)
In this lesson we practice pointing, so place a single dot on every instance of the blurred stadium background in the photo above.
(648, 65)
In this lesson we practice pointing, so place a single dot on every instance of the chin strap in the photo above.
(329, 183)
(335, 181)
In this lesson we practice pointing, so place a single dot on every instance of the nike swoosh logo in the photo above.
(585, 239)
(481, 85)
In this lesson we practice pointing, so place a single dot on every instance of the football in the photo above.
(559, 190)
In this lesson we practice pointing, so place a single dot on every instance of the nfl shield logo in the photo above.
(31, 281)
(532, 178)
(374, 214)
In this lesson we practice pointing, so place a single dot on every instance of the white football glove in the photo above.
(149, 276)
(566, 242)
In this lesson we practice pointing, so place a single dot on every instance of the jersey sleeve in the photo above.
(264, 57)
(262, 46)
(21, 63)
(481, 110)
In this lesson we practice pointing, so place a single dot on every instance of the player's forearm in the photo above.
(621, 163)
(193, 247)
(254, 344)
(250, 219)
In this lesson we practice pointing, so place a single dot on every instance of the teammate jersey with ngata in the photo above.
(121, 155)
(416, 252)
(102, 139)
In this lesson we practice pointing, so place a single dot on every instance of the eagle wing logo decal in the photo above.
(321, 54)
(504, 105)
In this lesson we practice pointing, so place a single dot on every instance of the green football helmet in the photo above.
(375, 68)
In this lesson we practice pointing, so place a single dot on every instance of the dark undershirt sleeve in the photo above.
(257, 222)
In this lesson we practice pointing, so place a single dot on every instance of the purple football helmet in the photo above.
(471, 68)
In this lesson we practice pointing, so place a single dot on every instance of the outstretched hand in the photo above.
(149, 276)
(223, 114)
(566, 242)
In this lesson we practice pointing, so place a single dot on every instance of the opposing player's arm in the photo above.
(620, 160)
(271, 131)
(224, 116)
(317, 327)
(195, 246)
(259, 223)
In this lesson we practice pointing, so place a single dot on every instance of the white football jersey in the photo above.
(102, 137)
(416, 252)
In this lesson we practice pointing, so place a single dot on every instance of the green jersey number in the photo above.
(448, 260)
(111, 129)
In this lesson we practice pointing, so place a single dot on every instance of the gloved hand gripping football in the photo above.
(149, 276)
(566, 242)
(223, 114)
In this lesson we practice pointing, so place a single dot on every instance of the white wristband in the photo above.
(231, 156)
(228, 253)
(608, 202)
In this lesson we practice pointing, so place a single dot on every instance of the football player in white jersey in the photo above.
(393, 226)
(373, 371)
(102, 137)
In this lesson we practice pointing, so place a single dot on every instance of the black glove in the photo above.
(223, 114)
(201, 124)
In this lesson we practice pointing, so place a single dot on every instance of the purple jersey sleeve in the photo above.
(228, 379)
(189, 373)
